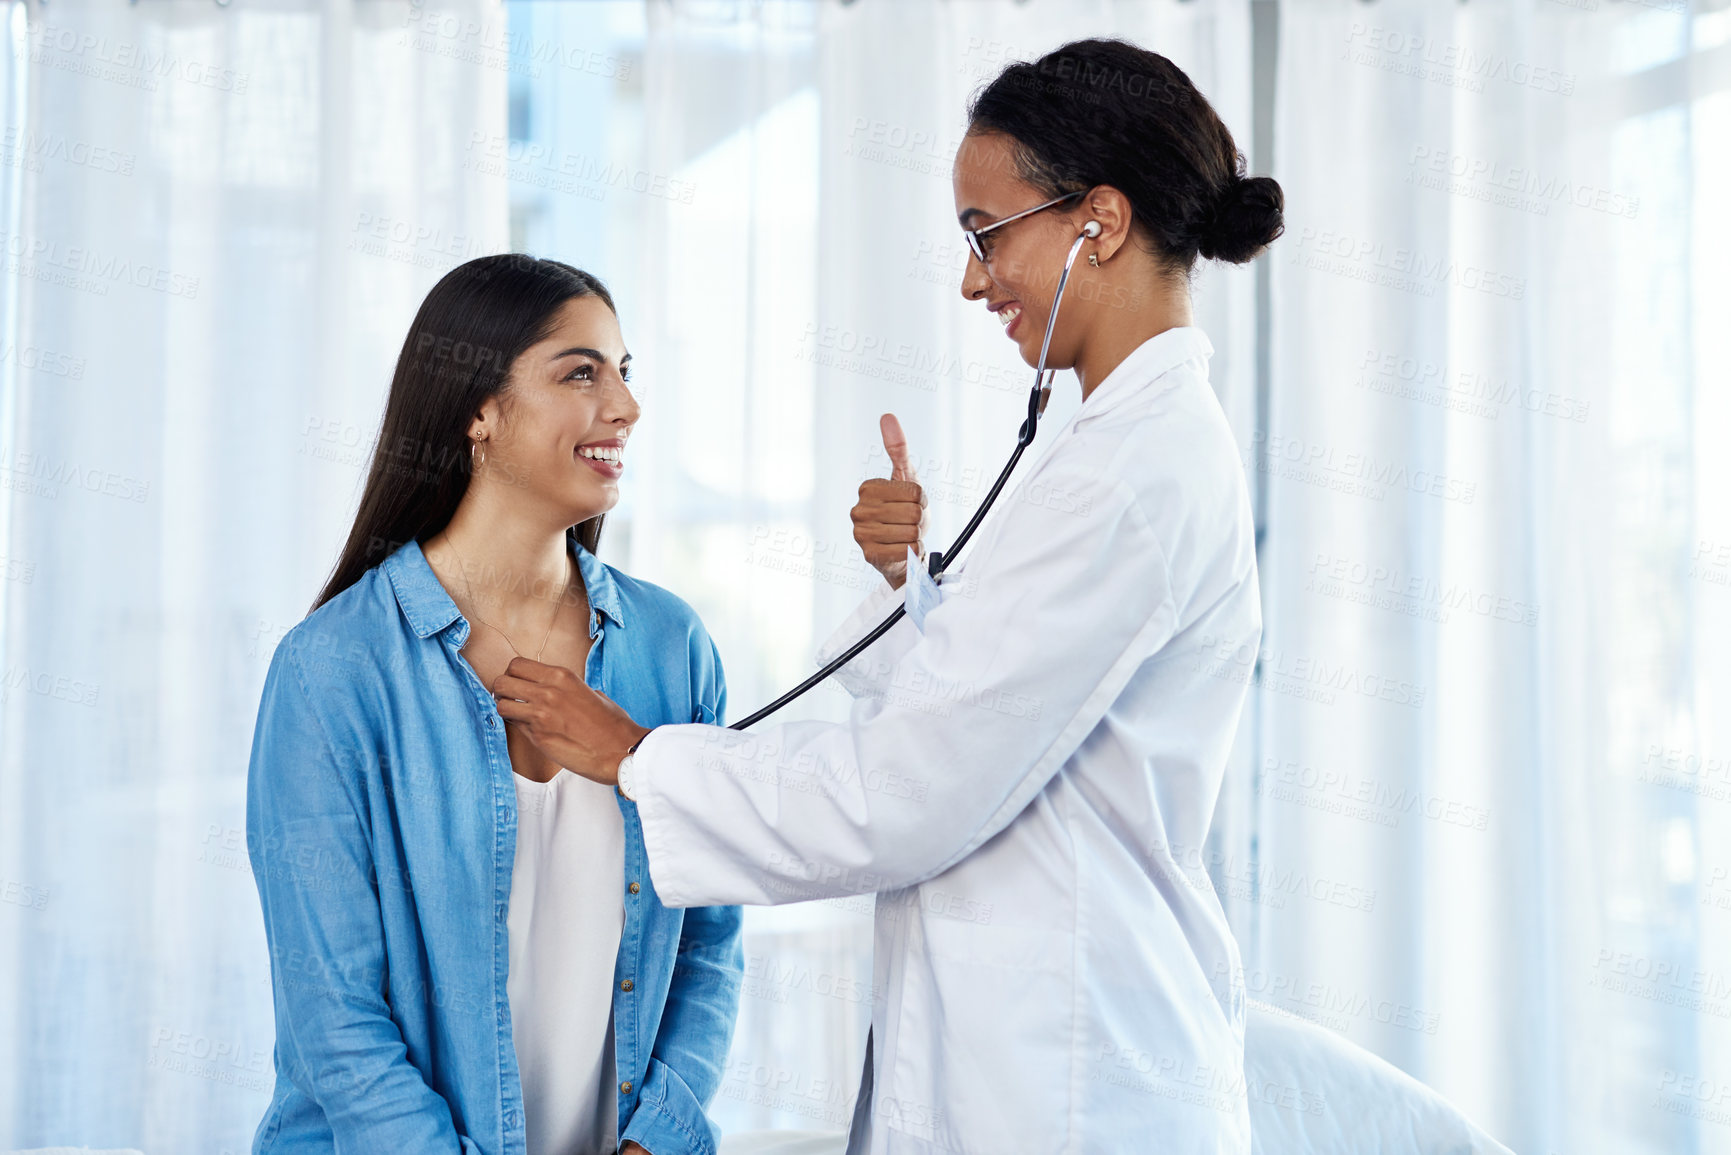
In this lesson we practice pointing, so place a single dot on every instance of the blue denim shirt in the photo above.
(382, 823)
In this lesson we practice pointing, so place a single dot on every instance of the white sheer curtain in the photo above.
(1496, 679)
(219, 221)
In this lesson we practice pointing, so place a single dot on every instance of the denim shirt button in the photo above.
(491, 720)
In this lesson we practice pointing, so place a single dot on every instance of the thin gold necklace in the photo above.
(463, 572)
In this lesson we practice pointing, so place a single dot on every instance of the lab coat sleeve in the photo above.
(867, 674)
(975, 718)
(690, 1052)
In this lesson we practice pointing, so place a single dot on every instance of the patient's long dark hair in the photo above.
(469, 331)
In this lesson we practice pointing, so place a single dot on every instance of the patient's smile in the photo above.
(604, 457)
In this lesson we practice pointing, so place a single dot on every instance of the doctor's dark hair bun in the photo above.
(1246, 219)
(1105, 112)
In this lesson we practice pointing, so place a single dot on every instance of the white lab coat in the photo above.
(1027, 785)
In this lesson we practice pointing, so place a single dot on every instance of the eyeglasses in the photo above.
(979, 246)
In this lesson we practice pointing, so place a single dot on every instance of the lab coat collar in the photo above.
(429, 609)
(1152, 359)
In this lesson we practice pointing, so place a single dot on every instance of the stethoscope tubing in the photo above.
(937, 561)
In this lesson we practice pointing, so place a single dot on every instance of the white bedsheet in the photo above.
(1311, 1093)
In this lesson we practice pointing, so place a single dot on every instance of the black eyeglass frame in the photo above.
(978, 247)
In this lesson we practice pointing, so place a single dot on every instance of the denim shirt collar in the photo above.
(429, 609)
(598, 581)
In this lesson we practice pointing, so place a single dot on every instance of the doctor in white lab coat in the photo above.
(1031, 761)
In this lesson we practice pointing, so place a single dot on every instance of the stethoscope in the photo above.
(937, 561)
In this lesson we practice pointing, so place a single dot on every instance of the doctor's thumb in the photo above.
(896, 445)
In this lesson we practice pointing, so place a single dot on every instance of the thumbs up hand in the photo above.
(891, 513)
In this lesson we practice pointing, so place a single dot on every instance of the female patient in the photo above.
(467, 952)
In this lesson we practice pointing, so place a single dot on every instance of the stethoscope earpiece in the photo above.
(1091, 230)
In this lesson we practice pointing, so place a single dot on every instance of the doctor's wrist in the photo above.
(624, 776)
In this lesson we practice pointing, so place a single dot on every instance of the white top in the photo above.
(567, 912)
(1028, 785)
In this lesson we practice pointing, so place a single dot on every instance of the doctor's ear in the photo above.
(1107, 210)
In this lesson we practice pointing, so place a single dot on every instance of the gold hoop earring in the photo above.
(1094, 259)
(477, 466)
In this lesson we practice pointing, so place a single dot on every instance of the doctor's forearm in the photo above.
(788, 814)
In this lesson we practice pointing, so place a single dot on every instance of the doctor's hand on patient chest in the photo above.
(891, 514)
(581, 729)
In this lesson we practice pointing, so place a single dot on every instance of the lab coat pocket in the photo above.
(986, 994)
